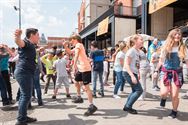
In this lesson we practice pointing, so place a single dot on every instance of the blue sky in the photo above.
(51, 17)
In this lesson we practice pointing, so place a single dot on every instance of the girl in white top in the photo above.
(118, 68)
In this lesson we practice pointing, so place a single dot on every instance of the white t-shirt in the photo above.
(60, 66)
(155, 55)
(135, 60)
(144, 63)
(105, 66)
(117, 65)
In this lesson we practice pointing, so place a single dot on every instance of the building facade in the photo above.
(127, 17)
(121, 16)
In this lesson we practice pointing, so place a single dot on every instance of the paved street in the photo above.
(64, 112)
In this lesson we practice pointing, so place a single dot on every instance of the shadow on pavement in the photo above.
(73, 120)
(108, 113)
(10, 113)
(161, 113)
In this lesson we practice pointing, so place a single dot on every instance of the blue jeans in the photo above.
(37, 85)
(95, 73)
(136, 90)
(25, 81)
(119, 82)
(3, 90)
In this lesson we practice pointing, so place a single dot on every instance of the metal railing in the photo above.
(127, 10)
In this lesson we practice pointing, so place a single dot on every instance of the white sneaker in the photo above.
(141, 99)
(116, 96)
(155, 89)
(122, 92)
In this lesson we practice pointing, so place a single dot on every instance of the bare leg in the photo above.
(89, 94)
(175, 95)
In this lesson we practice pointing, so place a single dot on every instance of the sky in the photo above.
(56, 18)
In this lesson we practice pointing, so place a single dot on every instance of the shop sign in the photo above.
(155, 5)
(103, 27)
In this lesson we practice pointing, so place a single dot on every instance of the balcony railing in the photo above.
(127, 11)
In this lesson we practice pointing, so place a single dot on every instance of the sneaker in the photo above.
(173, 114)
(101, 94)
(130, 110)
(163, 102)
(185, 97)
(12, 102)
(42, 78)
(92, 108)
(141, 99)
(122, 92)
(116, 96)
(30, 120)
(53, 97)
(7, 103)
(106, 84)
(94, 96)
(45, 92)
(156, 88)
(40, 103)
(78, 99)
(68, 96)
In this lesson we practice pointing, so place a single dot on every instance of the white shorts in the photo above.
(62, 80)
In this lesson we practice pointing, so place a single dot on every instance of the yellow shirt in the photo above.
(48, 64)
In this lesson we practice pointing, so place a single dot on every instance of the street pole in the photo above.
(19, 14)
(144, 17)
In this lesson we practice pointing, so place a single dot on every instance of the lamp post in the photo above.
(144, 17)
(19, 9)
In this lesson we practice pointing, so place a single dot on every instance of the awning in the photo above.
(155, 5)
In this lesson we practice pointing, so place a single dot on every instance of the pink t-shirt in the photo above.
(83, 63)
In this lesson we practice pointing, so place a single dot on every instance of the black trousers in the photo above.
(6, 77)
(12, 66)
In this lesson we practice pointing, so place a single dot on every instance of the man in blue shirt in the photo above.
(97, 57)
(24, 72)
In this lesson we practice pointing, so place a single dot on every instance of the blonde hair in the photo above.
(132, 40)
(169, 43)
(122, 45)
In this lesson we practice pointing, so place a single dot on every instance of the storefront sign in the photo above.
(155, 5)
(103, 27)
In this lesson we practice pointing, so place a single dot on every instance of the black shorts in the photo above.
(85, 77)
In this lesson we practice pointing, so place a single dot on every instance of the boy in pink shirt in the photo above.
(82, 71)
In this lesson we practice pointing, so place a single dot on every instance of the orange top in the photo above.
(83, 62)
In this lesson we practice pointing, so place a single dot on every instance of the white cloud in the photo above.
(63, 11)
(54, 21)
(37, 14)
(33, 15)
(8, 3)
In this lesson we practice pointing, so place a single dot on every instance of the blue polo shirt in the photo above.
(27, 55)
(98, 58)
